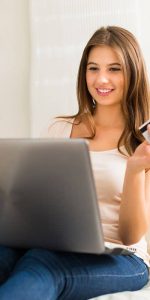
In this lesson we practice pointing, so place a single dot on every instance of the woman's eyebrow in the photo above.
(115, 63)
(110, 64)
(92, 63)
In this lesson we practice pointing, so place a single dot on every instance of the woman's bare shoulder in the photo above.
(57, 127)
(80, 128)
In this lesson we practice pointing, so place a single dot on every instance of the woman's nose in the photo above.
(102, 77)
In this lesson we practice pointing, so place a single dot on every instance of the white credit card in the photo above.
(143, 129)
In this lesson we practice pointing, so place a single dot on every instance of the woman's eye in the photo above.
(113, 69)
(93, 69)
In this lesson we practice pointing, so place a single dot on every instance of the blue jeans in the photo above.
(40, 274)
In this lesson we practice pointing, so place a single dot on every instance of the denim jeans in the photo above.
(40, 274)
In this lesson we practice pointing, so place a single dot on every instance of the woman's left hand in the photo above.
(140, 160)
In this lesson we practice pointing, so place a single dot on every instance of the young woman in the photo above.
(113, 97)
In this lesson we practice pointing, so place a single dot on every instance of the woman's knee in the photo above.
(41, 256)
(41, 261)
(42, 268)
(37, 253)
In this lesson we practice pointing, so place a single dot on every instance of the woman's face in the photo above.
(104, 76)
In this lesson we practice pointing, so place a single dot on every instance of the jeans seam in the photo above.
(110, 275)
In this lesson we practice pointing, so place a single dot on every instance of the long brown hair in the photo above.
(136, 100)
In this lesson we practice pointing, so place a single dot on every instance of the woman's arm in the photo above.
(134, 217)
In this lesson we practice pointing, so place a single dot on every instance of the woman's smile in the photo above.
(104, 92)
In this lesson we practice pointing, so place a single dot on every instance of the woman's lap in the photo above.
(42, 274)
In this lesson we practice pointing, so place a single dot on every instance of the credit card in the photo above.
(143, 129)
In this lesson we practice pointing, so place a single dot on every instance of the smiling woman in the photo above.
(112, 72)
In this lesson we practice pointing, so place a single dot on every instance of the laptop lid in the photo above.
(48, 196)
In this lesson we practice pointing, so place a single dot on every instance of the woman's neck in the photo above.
(108, 117)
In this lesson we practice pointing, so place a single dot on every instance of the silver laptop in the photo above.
(48, 196)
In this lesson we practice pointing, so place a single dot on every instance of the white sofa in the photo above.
(143, 294)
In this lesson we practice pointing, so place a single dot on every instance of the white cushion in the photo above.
(148, 241)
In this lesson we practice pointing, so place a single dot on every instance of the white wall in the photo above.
(60, 30)
(143, 8)
(14, 68)
(41, 42)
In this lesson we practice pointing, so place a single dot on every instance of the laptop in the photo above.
(48, 197)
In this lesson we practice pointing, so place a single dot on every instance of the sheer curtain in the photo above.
(59, 31)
